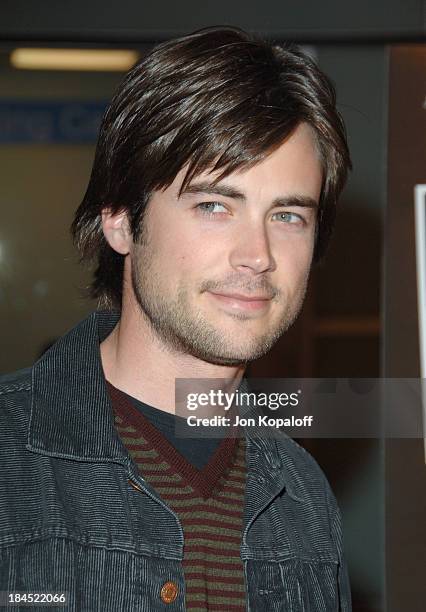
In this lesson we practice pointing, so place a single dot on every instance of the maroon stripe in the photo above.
(223, 494)
(134, 435)
(205, 549)
(211, 538)
(170, 497)
(142, 461)
(213, 564)
(183, 495)
(226, 552)
(214, 591)
(226, 512)
(227, 488)
(203, 481)
(239, 469)
(165, 472)
(139, 447)
(234, 478)
(217, 607)
(208, 523)
(225, 579)
(240, 460)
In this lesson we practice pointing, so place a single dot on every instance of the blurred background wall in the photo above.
(349, 326)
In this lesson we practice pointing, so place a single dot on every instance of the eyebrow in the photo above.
(231, 192)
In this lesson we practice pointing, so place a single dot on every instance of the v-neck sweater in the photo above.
(209, 504)
(196, 448)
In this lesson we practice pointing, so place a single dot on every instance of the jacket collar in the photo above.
(71, 413)
(72, 417)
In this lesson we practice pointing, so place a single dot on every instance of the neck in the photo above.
(137, 361)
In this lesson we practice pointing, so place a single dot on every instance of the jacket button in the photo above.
(134, 485)
(169, 592)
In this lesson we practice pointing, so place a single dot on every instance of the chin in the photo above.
(232, 359)
(234, 356)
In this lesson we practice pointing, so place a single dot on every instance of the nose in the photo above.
(251, 250)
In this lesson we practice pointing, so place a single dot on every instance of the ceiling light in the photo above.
(73, 59)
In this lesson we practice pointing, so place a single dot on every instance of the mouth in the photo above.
(241, 302)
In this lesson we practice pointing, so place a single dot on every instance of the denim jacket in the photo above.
(76, 517)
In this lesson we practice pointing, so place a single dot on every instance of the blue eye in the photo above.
(289, 217)
(211, 208)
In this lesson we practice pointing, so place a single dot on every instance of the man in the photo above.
(214, 186)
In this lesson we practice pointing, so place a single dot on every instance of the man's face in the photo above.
(221, 271)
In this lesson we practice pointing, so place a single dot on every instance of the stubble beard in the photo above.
(184, 330)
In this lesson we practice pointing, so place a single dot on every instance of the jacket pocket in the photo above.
(292, 585)
(93, 578)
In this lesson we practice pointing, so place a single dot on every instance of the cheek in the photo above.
(294, 263)
(175, 240)
(190, 254)
(296, 249)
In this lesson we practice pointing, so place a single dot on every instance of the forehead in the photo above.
(294, 163)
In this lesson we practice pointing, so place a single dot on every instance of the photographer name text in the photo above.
(258, 421)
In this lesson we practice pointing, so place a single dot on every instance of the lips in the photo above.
(244, 298)
(242, 302)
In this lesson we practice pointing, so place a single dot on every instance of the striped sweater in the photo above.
(209, 504)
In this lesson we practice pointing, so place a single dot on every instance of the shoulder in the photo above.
(15, 382)
(306, 475)
(290, 450)
(15, 401)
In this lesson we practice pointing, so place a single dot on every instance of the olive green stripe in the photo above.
(140, 452)
(226, 500)
(146, 448)
(140, 458)
(203, 514)
(228, 495)
(128, 428)
(179, 503)
(214, 599)
(121, 425)
(238, 485)
(217, 544)
(163, 489)
(214, 504)
(160, 467)
(213, 557)
(177, 489)
(138, 442)
(216, 530)
(163, 478)
(223, 586)
(214, 572)
(238, 465)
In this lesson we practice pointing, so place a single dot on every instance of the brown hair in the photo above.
(219, 98)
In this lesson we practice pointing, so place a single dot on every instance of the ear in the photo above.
(116, 230)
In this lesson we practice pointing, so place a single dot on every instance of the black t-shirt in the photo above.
(197, 450)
